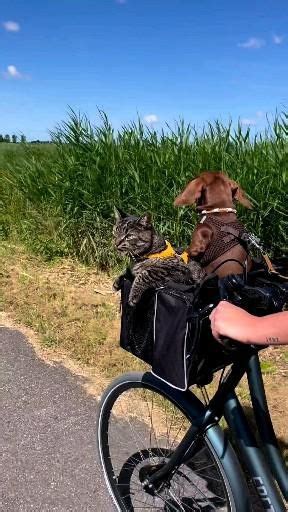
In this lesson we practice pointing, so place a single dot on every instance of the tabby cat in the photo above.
(155, 262)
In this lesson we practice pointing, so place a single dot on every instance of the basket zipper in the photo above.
(173, 293)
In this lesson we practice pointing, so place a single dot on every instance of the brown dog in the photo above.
(214, 240)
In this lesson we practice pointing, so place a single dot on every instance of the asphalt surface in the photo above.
(48, 456)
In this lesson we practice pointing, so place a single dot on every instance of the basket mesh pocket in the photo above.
(163, 331)
(137, 334)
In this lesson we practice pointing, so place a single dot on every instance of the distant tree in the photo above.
(7, 138)
(23, 138)
(14, 138)
(1, 138)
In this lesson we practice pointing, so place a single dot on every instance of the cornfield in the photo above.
(58, 199)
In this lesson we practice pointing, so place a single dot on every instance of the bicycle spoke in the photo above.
(176, 499)
(194, 502)
(151, 424)
(142, 434)
(178, 431)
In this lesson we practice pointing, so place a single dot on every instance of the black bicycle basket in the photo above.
(170, 328)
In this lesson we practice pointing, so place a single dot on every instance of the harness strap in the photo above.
(271, 268)
(226, 236)
(169, 252)
(244, 241)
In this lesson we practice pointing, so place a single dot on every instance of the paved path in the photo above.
(48, 458)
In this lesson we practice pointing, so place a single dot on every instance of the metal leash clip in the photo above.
(254, 241)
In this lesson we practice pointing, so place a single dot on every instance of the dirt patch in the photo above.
(94, 383)
(72, 307)
(76, 317)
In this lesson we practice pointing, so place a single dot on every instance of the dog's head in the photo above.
(212, 190)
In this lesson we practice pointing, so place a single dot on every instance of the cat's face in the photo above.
(132, 235)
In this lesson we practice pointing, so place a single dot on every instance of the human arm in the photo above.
(235, 323)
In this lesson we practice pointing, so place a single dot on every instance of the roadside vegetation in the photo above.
(58, 198)
(56, 216)
(71, 307)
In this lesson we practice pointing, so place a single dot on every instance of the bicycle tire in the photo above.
(214, 442)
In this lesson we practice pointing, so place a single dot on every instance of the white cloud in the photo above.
(151, 118)
(253, 42)
(12, 72)
(11, 26)
(278, 39)
(253, 121)
(247, 121)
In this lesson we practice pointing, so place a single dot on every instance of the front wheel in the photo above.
(140, 424)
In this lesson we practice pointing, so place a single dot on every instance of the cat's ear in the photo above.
(191, 193)
(119, 214)
(145, 220)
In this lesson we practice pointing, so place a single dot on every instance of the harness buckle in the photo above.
(253, 240)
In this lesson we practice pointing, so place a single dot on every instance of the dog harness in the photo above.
(226, 236)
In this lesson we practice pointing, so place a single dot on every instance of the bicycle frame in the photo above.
(225, 403)
(265, 426)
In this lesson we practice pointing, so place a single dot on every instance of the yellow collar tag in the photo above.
(169, 252)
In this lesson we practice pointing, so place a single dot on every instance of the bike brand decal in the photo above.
(262, 491)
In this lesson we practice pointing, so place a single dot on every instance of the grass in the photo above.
(69, 305)
(58, 199)
(72, 309)
(268, 368)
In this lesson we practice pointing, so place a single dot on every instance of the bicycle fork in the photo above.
(188, 446)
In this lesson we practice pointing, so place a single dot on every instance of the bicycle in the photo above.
(163, 449)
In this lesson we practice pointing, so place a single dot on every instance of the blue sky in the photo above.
(161, 59)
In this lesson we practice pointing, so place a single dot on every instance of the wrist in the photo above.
(251, 329)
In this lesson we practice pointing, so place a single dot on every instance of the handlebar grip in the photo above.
(229, 344)
(223, 290)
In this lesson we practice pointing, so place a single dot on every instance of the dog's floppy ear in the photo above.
(239, 195)
(191, 193)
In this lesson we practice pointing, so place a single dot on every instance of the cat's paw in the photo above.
(117, 285)
(132, 301)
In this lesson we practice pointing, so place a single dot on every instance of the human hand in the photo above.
(233, 322)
